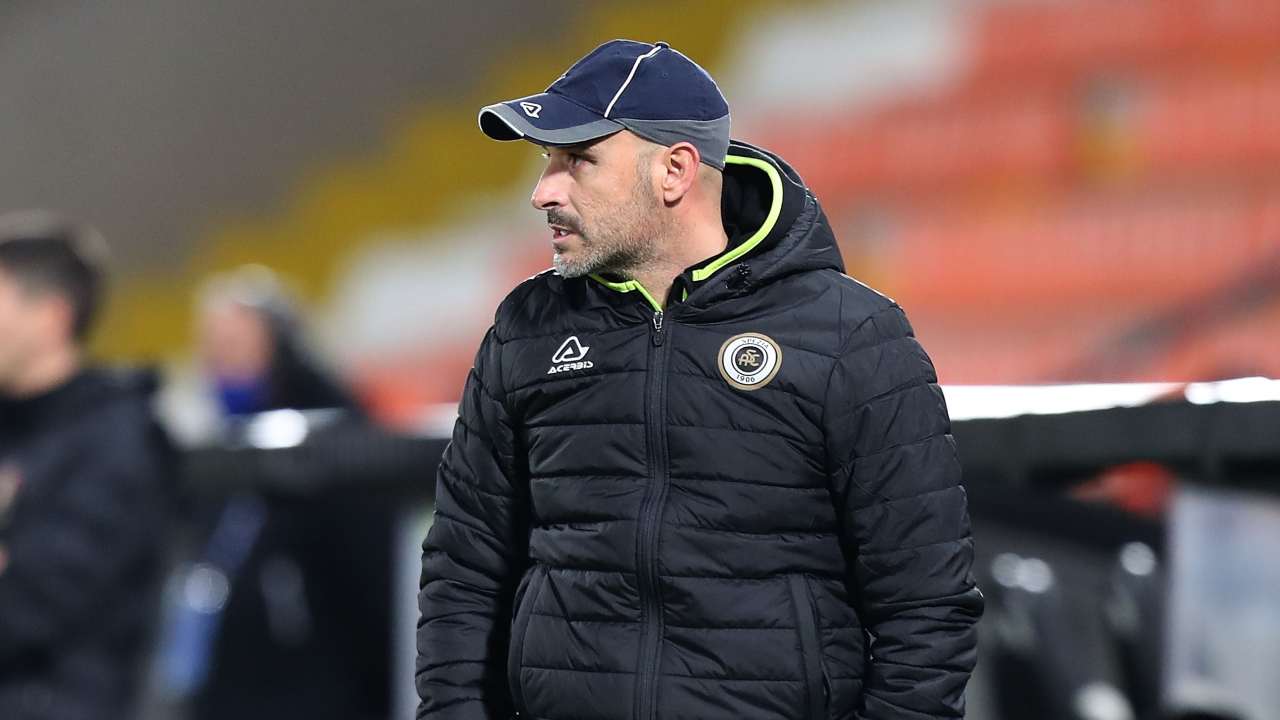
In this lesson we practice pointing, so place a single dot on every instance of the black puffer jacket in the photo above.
(84, 535)
(746, 506)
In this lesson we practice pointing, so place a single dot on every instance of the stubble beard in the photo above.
(607, 254)
(626, 243)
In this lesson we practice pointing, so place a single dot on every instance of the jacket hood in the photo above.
(775, 229)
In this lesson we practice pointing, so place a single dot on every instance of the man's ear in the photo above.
(681, 163)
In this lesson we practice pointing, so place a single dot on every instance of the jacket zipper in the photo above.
(650, 520)
(815, 678)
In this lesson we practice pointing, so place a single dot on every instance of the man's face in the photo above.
(601, 205)
(21, 316)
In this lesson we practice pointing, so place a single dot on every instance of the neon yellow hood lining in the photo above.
(746, 246)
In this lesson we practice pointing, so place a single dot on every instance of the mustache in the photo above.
(564, 220)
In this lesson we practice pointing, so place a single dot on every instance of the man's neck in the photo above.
(47, 373)
(705, 241)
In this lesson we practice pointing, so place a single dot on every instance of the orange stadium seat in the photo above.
(1045, 40)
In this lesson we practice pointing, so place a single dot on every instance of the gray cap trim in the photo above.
(711, 137)
(500, 122)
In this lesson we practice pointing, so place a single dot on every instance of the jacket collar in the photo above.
(775, 229)
(87, 391)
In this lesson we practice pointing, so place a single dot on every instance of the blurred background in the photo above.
(1076, 201)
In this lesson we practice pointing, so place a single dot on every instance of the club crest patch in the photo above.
(750, 360)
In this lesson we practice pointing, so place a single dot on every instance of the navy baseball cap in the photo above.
(649, 89)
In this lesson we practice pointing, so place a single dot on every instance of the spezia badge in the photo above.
(750, 360)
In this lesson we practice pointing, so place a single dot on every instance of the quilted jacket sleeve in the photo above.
(472, 557)
(896, 478)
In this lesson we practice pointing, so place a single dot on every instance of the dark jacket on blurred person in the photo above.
(306, 628)
(84, 503)
(744, 505)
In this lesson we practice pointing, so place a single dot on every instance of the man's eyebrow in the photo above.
(586, 149)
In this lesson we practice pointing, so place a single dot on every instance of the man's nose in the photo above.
(549, 192)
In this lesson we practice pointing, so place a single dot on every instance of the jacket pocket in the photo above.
(817, 691)
(520, 613)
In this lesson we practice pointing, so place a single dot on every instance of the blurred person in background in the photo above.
(252, 352)
(84, 487)
(697, 471)
(305, 631)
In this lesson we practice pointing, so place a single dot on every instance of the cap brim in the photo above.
(546, 119)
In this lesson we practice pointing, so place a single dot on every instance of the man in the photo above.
(82, 488)
(698, 472)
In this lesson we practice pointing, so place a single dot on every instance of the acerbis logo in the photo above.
(531, 109)
(570, 356)
(750, 360)
(571, 350)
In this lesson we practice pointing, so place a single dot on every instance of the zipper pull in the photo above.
(657, 328)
